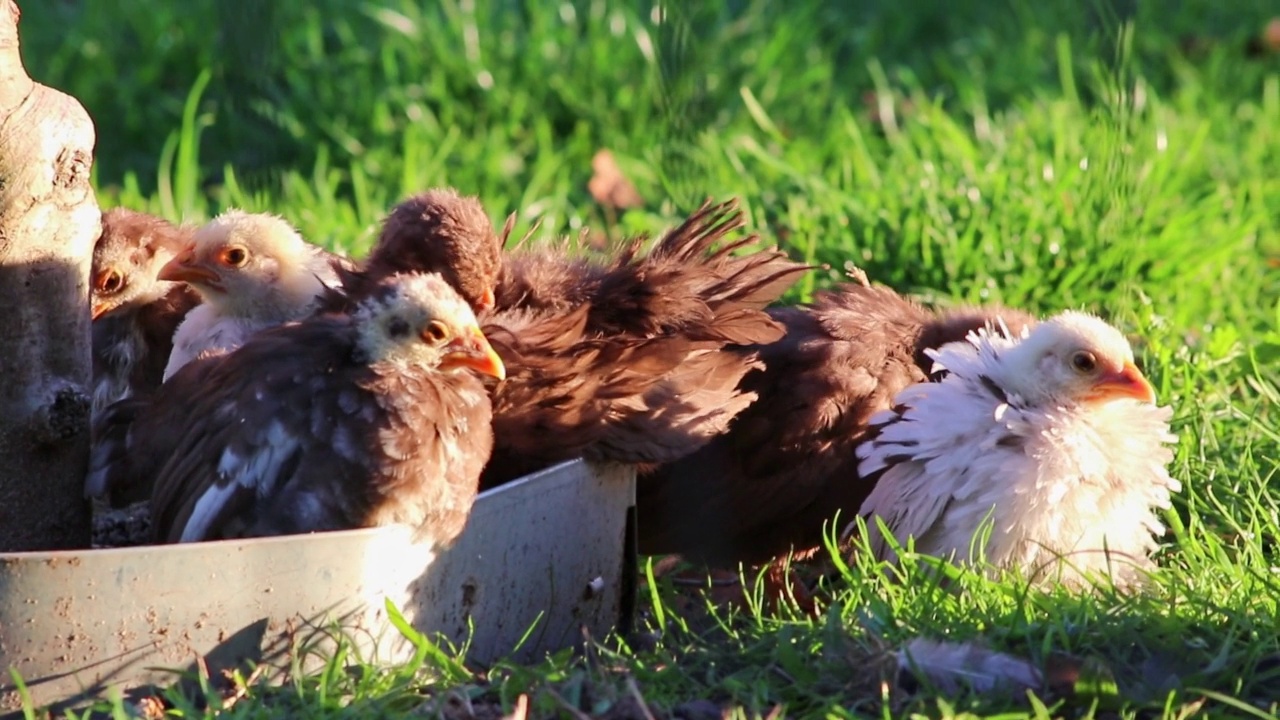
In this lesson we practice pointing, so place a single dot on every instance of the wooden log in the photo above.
(49, 221)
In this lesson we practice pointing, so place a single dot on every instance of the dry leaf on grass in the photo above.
(1261, 44)
(609, 186)
(521, 710)
(237, 689)
(150, 708)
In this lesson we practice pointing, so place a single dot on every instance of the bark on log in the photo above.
(49, 221)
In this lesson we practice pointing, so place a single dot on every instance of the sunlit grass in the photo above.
(1039, 154)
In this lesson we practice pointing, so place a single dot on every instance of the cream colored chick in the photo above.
(1043, 453)
(253, 271)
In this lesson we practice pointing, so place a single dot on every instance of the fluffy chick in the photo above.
(253, 271)
(1048, 443)
(333, 422)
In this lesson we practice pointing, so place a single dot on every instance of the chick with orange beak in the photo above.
(338, 421)
(127, 259)
(253, 271)
(134, 312)
(1049, 444)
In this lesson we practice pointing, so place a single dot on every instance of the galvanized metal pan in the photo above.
(553, 551)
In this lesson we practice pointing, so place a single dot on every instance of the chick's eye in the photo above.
(1084, 362)
(109, 281)
(234, 256)
(435, 332)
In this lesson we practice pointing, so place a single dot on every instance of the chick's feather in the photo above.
(774, 481)
(301, 430)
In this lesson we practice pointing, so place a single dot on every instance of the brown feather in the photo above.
(617, 358)
(299, 431)
(637, 364)
(136, 312)
(689, 281)
(787, 464)
(440, 231)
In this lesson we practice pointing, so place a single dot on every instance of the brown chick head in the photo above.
(249, 264)
(127, 259)
(417, 321)
(440, 231)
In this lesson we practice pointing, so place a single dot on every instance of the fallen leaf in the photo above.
(609, 186)
(1271, 35)
(1266, 42)
(521, 710)
(151, 708)
(237, 689)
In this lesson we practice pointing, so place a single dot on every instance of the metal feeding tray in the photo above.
(541, 559)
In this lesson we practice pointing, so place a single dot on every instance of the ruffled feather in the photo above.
(1080, 484)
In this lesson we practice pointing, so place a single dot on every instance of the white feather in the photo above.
(1076, 486)
(259, 471)
(206, 509)
(229, 464)
(953, 666)
(204, 331)
(110, 387)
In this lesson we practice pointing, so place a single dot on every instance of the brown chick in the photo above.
(441, 231)
(616, 359)
(786, 466)
(651, 374)
(333, 422)
(134, 312)
(253, 271)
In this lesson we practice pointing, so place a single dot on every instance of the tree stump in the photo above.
(49, 221)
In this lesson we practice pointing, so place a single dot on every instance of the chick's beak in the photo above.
(184, 268)
(1128, 382)
(487, 300)
(471, 350)
(97, 310)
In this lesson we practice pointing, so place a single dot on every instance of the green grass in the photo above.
(1120, 157)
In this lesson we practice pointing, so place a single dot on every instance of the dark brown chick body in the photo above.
(620, 358)
(299, 431)
(787, 464)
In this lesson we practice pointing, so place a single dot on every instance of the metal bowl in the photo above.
(553, 551)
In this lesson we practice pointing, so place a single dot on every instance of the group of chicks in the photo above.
(249, 383)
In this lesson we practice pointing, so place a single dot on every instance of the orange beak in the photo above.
(487, 300)
(184, 268)
(471, 350)
(1128, 382)
(97, 310)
